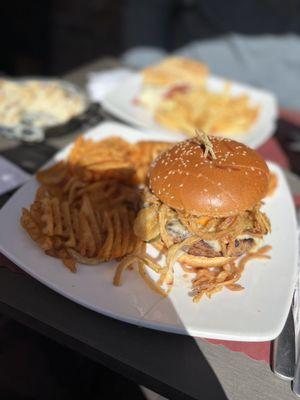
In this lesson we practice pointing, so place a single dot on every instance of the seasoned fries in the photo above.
(82, 227)
(84, 209)
(216, 113)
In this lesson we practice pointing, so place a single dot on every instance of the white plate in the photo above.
(254, 314)
(120, 102)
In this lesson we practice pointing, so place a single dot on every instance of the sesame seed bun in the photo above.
(185, 180)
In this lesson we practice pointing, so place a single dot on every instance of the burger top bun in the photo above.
(209, 176)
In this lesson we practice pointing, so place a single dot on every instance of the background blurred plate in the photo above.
(120, 102)
(32, 133)
(254, 314)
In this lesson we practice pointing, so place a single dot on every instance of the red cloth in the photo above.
(260, 351)
(272, 151)
(291, 116)
(297, 200)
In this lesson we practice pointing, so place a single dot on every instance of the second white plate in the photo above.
(120, 102)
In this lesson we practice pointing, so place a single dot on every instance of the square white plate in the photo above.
(254, 314)
(120, 102)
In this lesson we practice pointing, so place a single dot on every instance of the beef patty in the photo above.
(203, 249)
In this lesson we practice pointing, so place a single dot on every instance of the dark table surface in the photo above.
(175, 366)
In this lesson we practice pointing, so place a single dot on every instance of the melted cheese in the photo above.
(214, 244)
(258, 241)
(176, 229)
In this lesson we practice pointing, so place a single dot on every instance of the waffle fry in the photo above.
(84, 209)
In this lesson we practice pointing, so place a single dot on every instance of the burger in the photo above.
(173, 74)
(204, 202)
